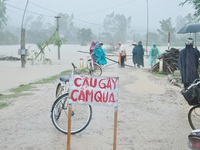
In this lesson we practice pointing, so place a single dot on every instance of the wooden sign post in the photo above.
(115, 129)
(69, 126)
(91, 90)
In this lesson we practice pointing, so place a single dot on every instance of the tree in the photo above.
(38, 31)
(196, 4)
(116, 27)
(3, 19)
(153, 37)
(85, 35)
(7, 38)
(166, 27)
(181, 21)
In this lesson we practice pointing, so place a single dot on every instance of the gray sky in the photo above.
(94, 12)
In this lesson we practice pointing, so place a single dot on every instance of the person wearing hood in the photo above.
(92, 46)
(134, 55)
(188, 63)
(153, 54)
(138, 51)
(99, 54)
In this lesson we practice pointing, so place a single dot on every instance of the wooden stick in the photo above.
(115, 129)
(69, 126)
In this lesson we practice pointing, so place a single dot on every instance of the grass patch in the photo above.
(21, 88)
(160, 74)
(2, 105)
(13, 95)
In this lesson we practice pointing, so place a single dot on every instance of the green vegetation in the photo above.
(160, 74)
(21, 88)
(3, 105)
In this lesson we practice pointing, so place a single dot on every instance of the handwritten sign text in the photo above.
(94, 90)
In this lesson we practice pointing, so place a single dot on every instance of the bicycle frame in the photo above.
(63, 82)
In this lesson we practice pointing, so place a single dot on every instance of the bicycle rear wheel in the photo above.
(97, 71)
(81, 115)
(194, 117)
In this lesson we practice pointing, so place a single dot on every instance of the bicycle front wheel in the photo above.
(81, 115)
(97, 71)
(59, 90)
(194, 117)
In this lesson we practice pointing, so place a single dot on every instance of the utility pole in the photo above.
(23, 52)
(58, 36)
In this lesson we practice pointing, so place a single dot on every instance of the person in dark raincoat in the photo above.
(138, 51)
(188, 63)
(134, 56)
(99, 55)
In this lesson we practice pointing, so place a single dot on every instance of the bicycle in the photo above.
(81, 114)
(193, 99)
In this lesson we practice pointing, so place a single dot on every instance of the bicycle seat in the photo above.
(64, 78)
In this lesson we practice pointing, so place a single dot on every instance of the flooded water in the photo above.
(13, 75)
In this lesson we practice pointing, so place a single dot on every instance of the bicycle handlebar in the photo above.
(73, 66)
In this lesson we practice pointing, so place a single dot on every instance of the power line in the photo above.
(43, 8)
(88, 22)
(13, 26)
(108, 8)
(13, 12)
(27, 11)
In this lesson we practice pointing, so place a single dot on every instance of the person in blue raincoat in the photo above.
(138, 51)
(188, 63)
(153, 54)
(99, 54)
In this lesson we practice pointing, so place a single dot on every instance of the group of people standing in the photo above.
(188, 61)
(138, 54)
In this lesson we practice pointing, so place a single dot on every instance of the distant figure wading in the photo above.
(122, 54)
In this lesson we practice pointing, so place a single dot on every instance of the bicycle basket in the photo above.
(192, 94)
(194, 140)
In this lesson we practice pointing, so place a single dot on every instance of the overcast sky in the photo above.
(93, 12)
